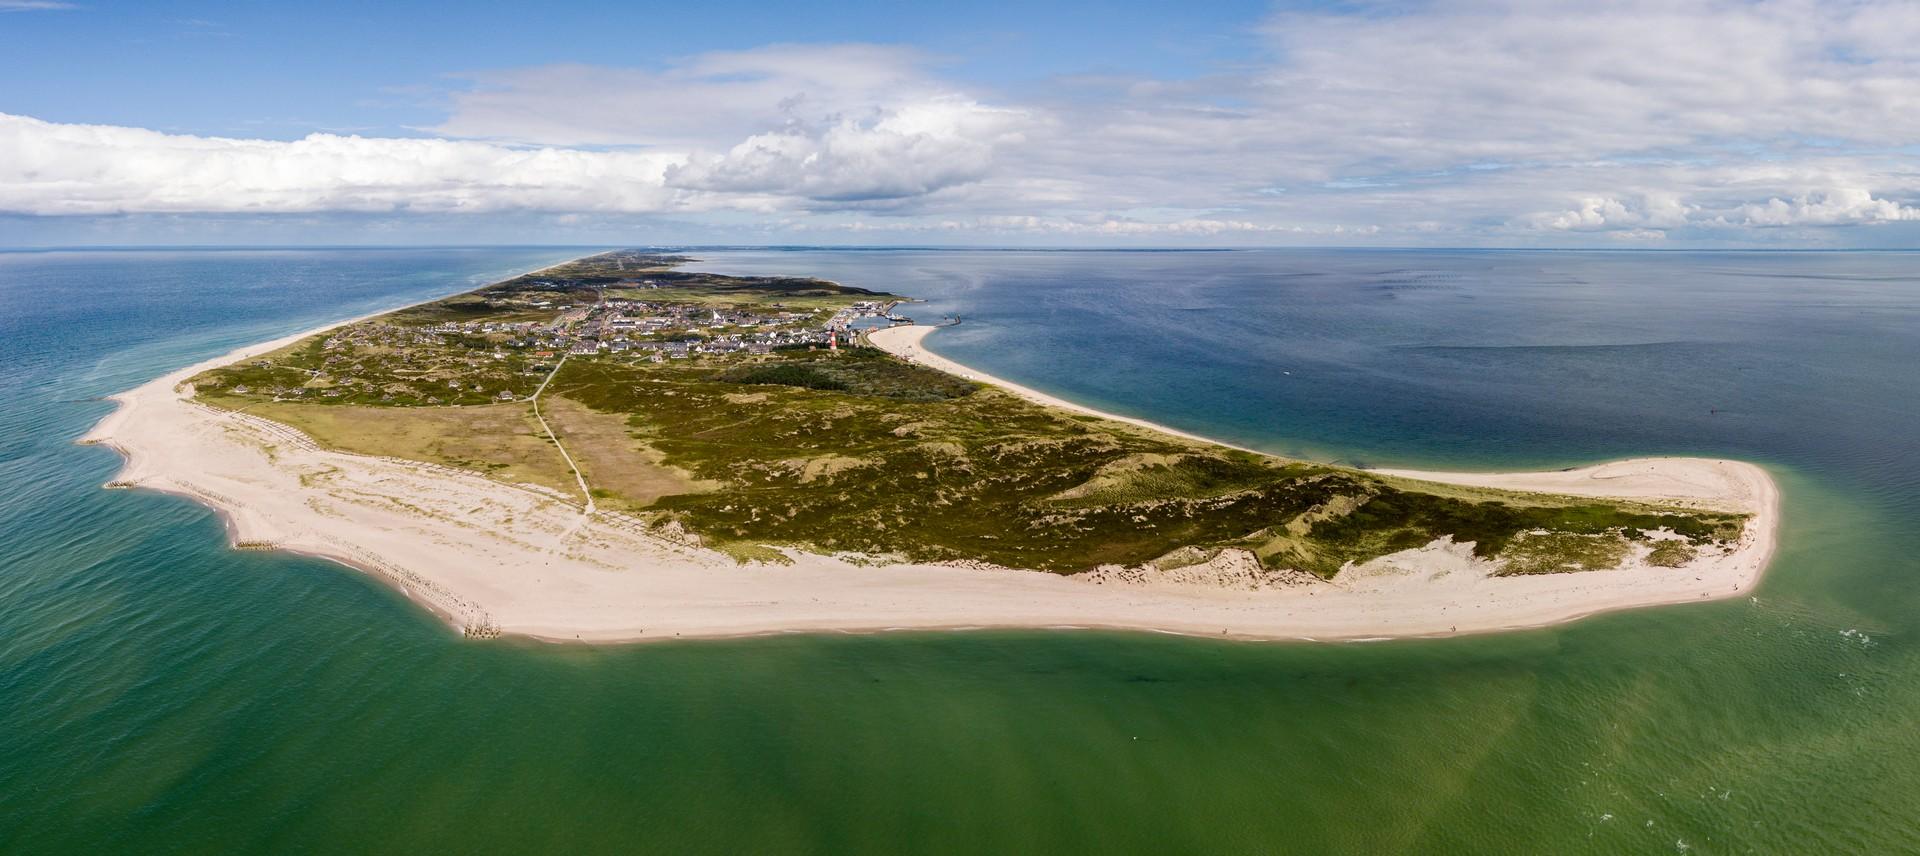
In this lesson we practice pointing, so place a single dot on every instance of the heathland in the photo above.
(750, 416)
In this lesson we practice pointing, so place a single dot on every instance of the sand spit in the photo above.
(493, 558)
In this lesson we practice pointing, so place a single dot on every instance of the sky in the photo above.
(1482, 123)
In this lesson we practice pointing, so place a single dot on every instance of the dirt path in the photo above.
(579, 478)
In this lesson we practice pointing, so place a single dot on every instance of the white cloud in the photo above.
(1447, 122)
(1120, 227)
(1559, 80)
(1100, 226)
(690, 102)
(1840, 206)
(1593, 212)
(818, 124)
(34, 6)
(1602, 213)
(780, 128)
(48, 168)
(908, 152)
(1829, 206)
(1615, 116)
(1641, 235)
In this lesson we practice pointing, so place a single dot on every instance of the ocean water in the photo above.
(162, 694)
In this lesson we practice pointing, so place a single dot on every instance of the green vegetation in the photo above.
(714, 402)
(502, 440)
(1671, 554)
(625, 473)
(862, 371)
(1558, 552)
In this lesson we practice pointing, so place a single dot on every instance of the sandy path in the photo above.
(478, 553)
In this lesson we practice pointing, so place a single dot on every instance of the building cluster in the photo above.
(446, 359)
(667, 330)
(849, 317)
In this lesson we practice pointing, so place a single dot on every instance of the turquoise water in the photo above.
(160, 694)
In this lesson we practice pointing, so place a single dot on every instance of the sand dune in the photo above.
(495, 558)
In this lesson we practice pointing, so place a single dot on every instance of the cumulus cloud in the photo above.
(1100, 226)
(48, 168)
(833, 124)
(691, 102)
(907, 152)
(1657, 213)
(1600, 213)
(1840, 206)
(1126, 227)
(781, 128)
(1638, 235)
(1475, 114)
(1447, 122)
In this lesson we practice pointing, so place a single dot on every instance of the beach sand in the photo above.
(493, 558)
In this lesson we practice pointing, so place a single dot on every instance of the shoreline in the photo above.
(491, 558)
(906, 342)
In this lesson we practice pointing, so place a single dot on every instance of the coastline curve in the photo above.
(479, 552)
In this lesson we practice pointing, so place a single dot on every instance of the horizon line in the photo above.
(56, 248)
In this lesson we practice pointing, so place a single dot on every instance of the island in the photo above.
(618, 449)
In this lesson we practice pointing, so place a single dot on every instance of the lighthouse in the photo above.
(833, 340)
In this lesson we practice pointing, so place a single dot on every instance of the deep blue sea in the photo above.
(162, 694)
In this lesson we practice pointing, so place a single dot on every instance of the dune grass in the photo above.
(499, 440)
(858, 451)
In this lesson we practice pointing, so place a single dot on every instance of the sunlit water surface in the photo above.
(162, 694)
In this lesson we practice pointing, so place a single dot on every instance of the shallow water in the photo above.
(159, 693)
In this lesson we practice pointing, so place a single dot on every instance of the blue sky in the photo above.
(1481, 123)
(283, 70)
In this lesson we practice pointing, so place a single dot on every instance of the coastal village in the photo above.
(527, 329)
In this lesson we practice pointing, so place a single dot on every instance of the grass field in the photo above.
(500, 440)
(618, 466)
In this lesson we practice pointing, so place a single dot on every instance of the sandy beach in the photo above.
(492, 558)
